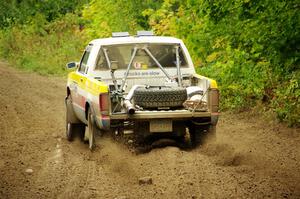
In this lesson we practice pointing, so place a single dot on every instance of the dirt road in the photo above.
(249, 159)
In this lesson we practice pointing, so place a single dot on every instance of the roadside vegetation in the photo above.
(250, 47)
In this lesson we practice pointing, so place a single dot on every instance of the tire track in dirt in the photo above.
(251, 159)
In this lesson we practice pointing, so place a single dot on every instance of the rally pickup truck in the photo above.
(143, 84)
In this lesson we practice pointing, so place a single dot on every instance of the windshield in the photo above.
(144, 57)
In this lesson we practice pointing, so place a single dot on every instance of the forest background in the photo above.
(251, 47)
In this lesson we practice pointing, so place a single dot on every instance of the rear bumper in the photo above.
(146, 115)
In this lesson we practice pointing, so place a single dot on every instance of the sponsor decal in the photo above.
(143, 73)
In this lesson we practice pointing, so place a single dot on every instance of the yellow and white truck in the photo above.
(145, 84)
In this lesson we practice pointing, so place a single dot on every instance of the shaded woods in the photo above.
(250, 47)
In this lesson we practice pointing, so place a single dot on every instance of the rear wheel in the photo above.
(201, 134)
(72, 128)
(141, 133)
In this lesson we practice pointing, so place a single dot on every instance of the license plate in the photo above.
(161, 126)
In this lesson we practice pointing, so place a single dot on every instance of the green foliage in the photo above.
(104, 17)
(20, 12)
(41, 47)
(242, 81)
(286, 101)
(251, 47)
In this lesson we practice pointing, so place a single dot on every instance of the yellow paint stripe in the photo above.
(213, 83)
(93, 86)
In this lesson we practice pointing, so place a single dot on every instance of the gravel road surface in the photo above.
(251, 158)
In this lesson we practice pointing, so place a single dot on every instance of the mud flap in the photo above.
(70, 111)
(96, 129)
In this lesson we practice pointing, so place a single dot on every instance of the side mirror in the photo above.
(71, 65)
(114, 65)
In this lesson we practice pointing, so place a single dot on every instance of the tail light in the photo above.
(214, 105)
(104, 103)
(214, 100)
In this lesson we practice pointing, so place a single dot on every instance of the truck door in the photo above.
(80, 91)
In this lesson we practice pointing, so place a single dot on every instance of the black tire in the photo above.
(69, 131)
(211, 133)
(141, 131)
(72, 129)
(201, 134)
(155, 97)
